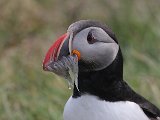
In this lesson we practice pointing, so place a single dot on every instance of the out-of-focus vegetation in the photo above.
(29, 27)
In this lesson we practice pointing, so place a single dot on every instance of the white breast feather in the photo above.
(89, 107)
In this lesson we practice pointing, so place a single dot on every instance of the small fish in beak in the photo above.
(67, 68)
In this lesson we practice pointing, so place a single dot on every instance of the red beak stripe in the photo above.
(53, 50)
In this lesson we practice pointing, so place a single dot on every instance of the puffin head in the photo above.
(96, 49)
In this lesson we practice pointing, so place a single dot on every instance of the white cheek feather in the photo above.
(89, 107)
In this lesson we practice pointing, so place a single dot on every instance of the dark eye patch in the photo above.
(90, 38)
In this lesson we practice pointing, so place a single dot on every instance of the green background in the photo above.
(29, 27)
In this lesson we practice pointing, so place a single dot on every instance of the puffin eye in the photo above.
(90, 38)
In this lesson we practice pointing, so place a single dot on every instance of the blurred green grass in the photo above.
(28, 28)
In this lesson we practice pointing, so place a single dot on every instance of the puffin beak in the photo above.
(59, 48)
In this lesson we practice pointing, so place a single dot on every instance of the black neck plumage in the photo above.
(107, 84)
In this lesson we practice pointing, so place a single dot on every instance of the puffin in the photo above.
(89, 58)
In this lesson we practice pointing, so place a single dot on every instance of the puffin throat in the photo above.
(53, 52)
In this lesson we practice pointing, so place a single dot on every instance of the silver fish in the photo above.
(67, 67)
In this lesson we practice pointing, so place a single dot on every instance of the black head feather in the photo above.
(82, 24)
